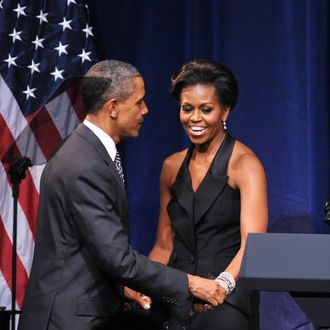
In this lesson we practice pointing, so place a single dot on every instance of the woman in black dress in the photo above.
(212, 195)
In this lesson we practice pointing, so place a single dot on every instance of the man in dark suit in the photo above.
(82, 257)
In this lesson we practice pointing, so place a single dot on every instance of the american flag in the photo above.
(42, 44)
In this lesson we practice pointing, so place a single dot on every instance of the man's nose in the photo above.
(145, 110)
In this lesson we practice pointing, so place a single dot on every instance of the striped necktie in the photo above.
(117, 162)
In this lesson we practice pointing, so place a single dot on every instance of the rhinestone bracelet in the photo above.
(227, 281)
(223, 284)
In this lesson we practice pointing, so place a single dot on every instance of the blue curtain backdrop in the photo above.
(279, 52)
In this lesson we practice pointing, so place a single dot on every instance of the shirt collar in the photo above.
(105, 138)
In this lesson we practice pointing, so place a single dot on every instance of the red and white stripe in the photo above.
(35, 136)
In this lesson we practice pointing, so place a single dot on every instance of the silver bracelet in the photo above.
(227, 281)
(223, 284)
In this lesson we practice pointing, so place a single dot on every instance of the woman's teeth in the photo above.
(197, 129)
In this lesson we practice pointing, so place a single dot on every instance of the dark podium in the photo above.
(297, 263)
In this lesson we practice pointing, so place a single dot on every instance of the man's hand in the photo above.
(136, 298)
(207, 290)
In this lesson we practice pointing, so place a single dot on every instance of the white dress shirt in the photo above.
(106, 140)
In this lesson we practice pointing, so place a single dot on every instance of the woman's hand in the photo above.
(136, 298)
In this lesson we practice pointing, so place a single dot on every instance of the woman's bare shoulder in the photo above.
(172, 164)
(242, 154)
(243, 162)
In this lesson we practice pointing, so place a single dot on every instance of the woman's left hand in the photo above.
(136, 298)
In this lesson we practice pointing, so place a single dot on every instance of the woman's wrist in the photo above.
(226, 281)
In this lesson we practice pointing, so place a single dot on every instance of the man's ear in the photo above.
(112, 108)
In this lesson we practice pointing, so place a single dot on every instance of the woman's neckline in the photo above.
(190, 153)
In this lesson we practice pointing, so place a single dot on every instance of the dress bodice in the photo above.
(206, 222)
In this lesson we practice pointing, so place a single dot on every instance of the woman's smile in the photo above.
(197, 130)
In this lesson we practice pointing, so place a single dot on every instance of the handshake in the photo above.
(213, 292)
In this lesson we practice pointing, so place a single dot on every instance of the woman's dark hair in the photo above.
(207, 73)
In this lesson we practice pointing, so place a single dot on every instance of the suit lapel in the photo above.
(184, 194)
(207, 192)
(215, 180)
(181, 191)
(88, 135)
(184, 224)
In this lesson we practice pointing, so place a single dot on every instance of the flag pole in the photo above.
(17, 174)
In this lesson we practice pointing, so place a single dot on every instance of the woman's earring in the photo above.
(224, 124)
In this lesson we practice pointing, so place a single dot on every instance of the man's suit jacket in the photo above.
(82, 256)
